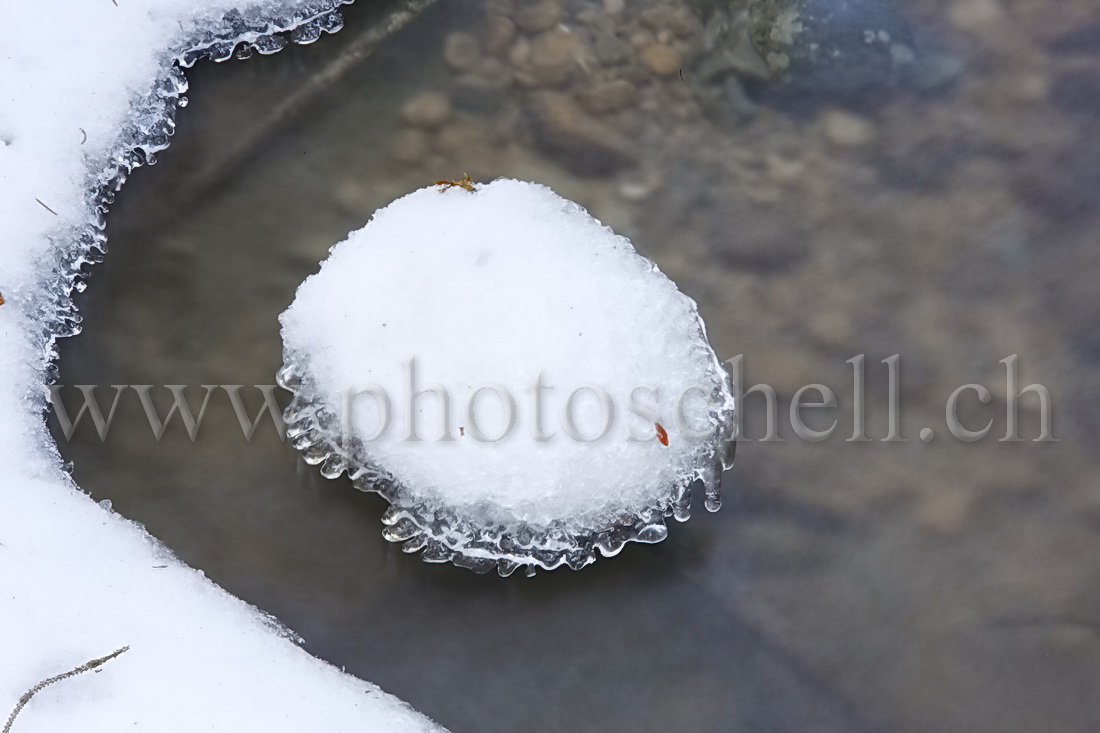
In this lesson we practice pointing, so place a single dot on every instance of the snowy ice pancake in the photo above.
(521, 385)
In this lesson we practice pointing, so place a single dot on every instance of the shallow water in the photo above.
(844, 585)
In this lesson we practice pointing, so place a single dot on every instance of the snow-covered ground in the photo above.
(81, 83)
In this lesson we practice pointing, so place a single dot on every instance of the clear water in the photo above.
(844, 586)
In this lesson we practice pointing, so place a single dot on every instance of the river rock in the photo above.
(536, 16)
(553, 56)
(846, 129)
(499, 32)
(427, 110)
(608, 96)
(577, 140)
(409, 146)
(461, 51)
(610, 50)
(661, 59)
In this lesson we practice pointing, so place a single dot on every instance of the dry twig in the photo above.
(88, 666)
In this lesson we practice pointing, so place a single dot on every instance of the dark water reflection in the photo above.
(844, 586)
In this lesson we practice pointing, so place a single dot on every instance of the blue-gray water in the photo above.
(844, 586)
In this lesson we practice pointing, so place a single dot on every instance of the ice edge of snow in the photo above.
(50, 306)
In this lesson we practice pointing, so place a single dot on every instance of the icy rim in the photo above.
(445, 535)
(152, 122)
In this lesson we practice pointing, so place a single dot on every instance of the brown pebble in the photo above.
(409, 146)
(538, 15)
(661, 59)
(465, 138)
(484, 91)
(527, 80)
(553, 55)
(427, 110)
(461, 51)
(641, 38)
(577, 140)
(495, 73)
(352, 197)
(596, 20)
(610, 49)
(554, 48)
(847, 130)
(499, 7)
(831, 328)
(946, 511)
(677, 20)
(783, 170)
(614, 7)
(609, 96)
(499, 34)
(975, 15)
(520, 54)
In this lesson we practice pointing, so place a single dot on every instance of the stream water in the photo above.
(845, 585)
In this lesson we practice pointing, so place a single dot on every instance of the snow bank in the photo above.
(562, 354)
(87, 90)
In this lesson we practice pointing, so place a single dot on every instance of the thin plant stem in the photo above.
(87, 666)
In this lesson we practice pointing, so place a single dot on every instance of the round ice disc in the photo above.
(521, 385)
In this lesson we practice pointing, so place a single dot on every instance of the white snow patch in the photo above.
(497, 287)
(76, 581)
